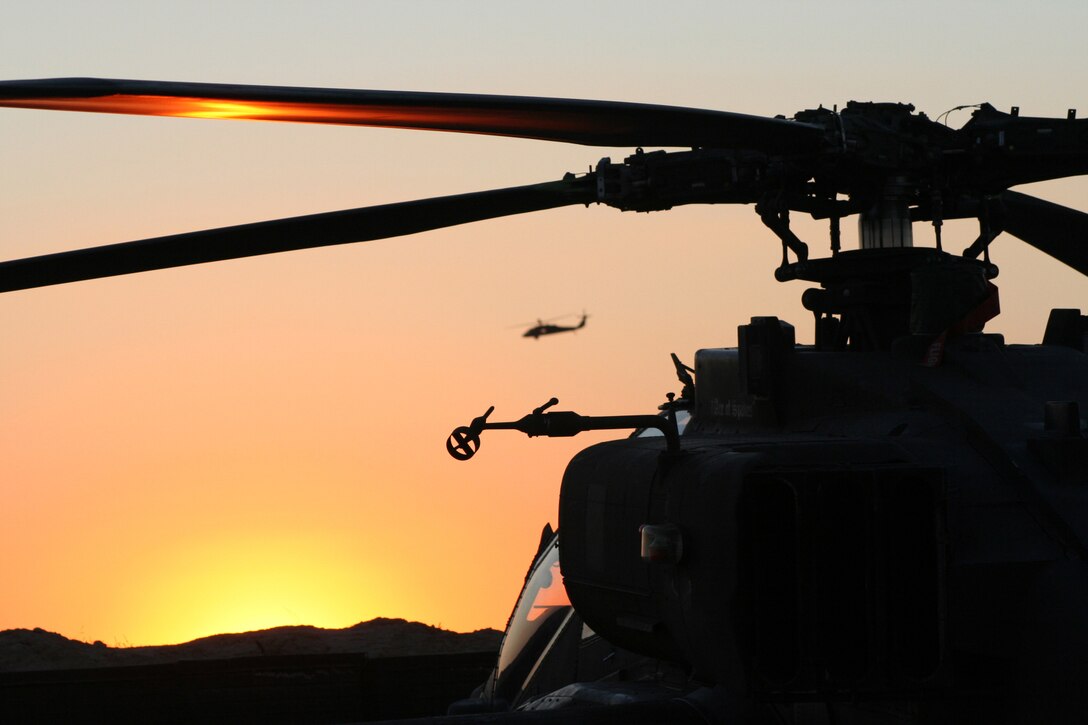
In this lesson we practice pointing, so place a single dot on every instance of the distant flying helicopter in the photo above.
(547, 329)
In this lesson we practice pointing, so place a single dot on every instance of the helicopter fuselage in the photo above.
(542, 329)
(853, 529)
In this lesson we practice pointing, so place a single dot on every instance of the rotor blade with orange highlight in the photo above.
(591, 123)
(281, 235)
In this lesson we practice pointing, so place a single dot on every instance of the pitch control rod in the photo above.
(464, 442)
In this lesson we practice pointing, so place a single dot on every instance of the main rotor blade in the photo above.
(591, 123)
(280, 235)
(1057, 230)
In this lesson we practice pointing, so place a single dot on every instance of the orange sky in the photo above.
(261, 441)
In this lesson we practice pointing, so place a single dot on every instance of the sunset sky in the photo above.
(261, 442)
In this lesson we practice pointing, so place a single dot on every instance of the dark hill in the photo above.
(34, 650)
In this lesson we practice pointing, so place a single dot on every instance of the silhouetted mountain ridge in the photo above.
(37, 649)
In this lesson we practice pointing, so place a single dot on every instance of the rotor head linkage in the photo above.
(464, 441)
(777, 219)
(991, 222)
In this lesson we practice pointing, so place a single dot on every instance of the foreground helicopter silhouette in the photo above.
(889, 525)
(541, 328)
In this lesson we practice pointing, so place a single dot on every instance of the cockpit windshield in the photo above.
(541, 609)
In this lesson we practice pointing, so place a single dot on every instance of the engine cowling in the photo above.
(797, 566)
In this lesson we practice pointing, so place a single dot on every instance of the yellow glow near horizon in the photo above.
(245, 585)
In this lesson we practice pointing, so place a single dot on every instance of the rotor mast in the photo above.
(887, 224)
